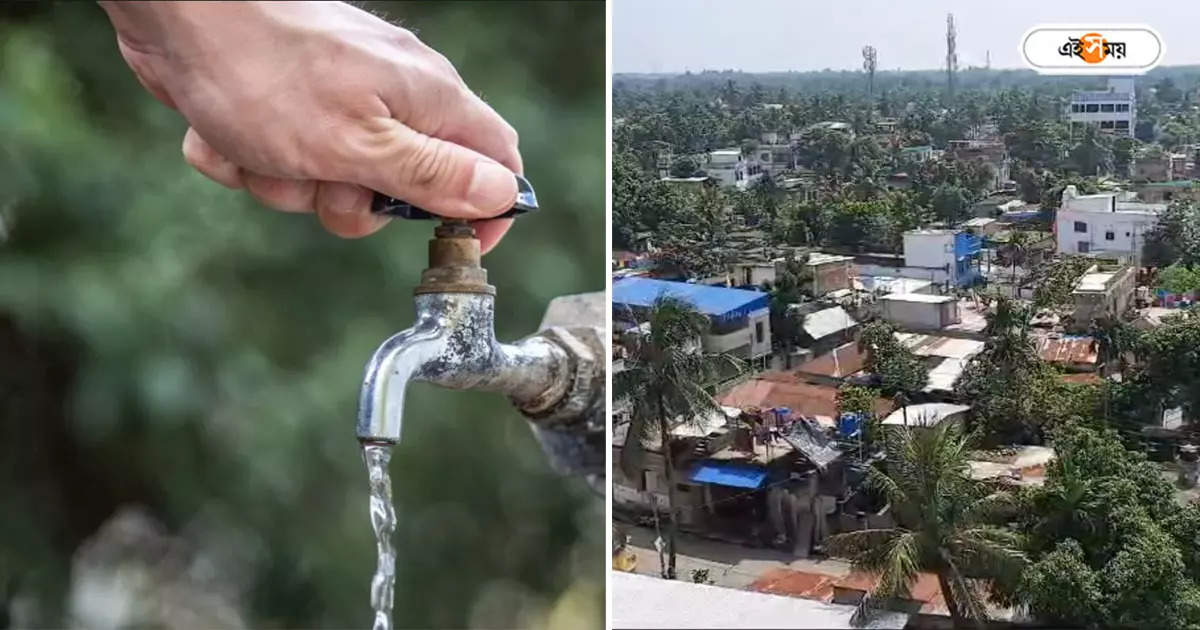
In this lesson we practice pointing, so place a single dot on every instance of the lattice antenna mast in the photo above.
(869, 64)
(951, 56)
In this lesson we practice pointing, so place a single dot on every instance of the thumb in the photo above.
(444, 178)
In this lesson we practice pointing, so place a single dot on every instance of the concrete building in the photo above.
(830, 272)
(1103, 292)
(993, 153)
(730, 169)
(753, 273)
(1104, 225)
(956, 251)
(1113, 110)
(740, 319)
(917, 311)
(774, 158)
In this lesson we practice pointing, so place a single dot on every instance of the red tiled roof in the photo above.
(781, 389)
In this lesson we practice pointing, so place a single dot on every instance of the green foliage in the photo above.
(793, 284)
(900, 371)
(171, 344)
(1178, 279)
(1093, 154)
(684, 167)
(1056, 280)
(946, 523)
(1175, 238)
(1172, 363)
(1110, 545)
(1014, 395)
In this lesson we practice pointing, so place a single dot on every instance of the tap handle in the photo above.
(390, 206)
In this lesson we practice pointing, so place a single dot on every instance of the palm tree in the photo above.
(943, 525)
(668, 376)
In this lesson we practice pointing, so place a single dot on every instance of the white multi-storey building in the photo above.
(729, 168)
(1104, 224)
(1113, 110)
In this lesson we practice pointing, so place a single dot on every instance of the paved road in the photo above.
(729, 565)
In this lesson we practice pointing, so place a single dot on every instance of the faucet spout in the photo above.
(453, 344)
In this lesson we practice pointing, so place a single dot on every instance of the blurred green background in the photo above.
(169, 344)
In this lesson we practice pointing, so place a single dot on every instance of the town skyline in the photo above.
(675, 36)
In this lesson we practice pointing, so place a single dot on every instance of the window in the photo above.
(1082, 247)
(1106, 107)
(1076, 108)
(1109, 236)
(1093, 108)
(1122, 107)
(758, 332)
(766, 157)
(1122, 124)
(1080, 226)
(683, 488)
(1106, 124)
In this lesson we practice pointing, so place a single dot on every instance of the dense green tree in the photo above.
(946, 523)
(1093, 154)
(1107, 539)
(899, 370)
(1175, 237)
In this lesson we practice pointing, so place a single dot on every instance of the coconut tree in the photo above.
(944, 525)
(668, 376)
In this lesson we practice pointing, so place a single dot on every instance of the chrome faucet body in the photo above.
(556, 377)
(453, 344)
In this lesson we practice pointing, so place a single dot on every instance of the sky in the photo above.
(775, 35)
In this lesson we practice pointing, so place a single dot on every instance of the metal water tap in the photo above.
(555, 377)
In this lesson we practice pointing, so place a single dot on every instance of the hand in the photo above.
(312, 105)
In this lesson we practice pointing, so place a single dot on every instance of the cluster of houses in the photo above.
(777, 465)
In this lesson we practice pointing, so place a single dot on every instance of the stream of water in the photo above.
(383, 521)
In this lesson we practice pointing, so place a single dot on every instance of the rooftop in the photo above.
(1067, 350)
(935, 346)
(651, 602)
(827, 322)
(821, 258)
(918, 297)
(891, 284)
(926, 414)
(782, 389)
(712, 301)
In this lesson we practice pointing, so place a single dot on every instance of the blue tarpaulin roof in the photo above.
(719, 302)
(733, 475)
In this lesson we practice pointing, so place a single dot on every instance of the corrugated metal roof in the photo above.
(1067, 349)
(812, 442)
(935, 346)
(714, 301)
(826, 322)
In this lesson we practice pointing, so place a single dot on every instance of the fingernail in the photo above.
(344, 199)
(493, 188)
